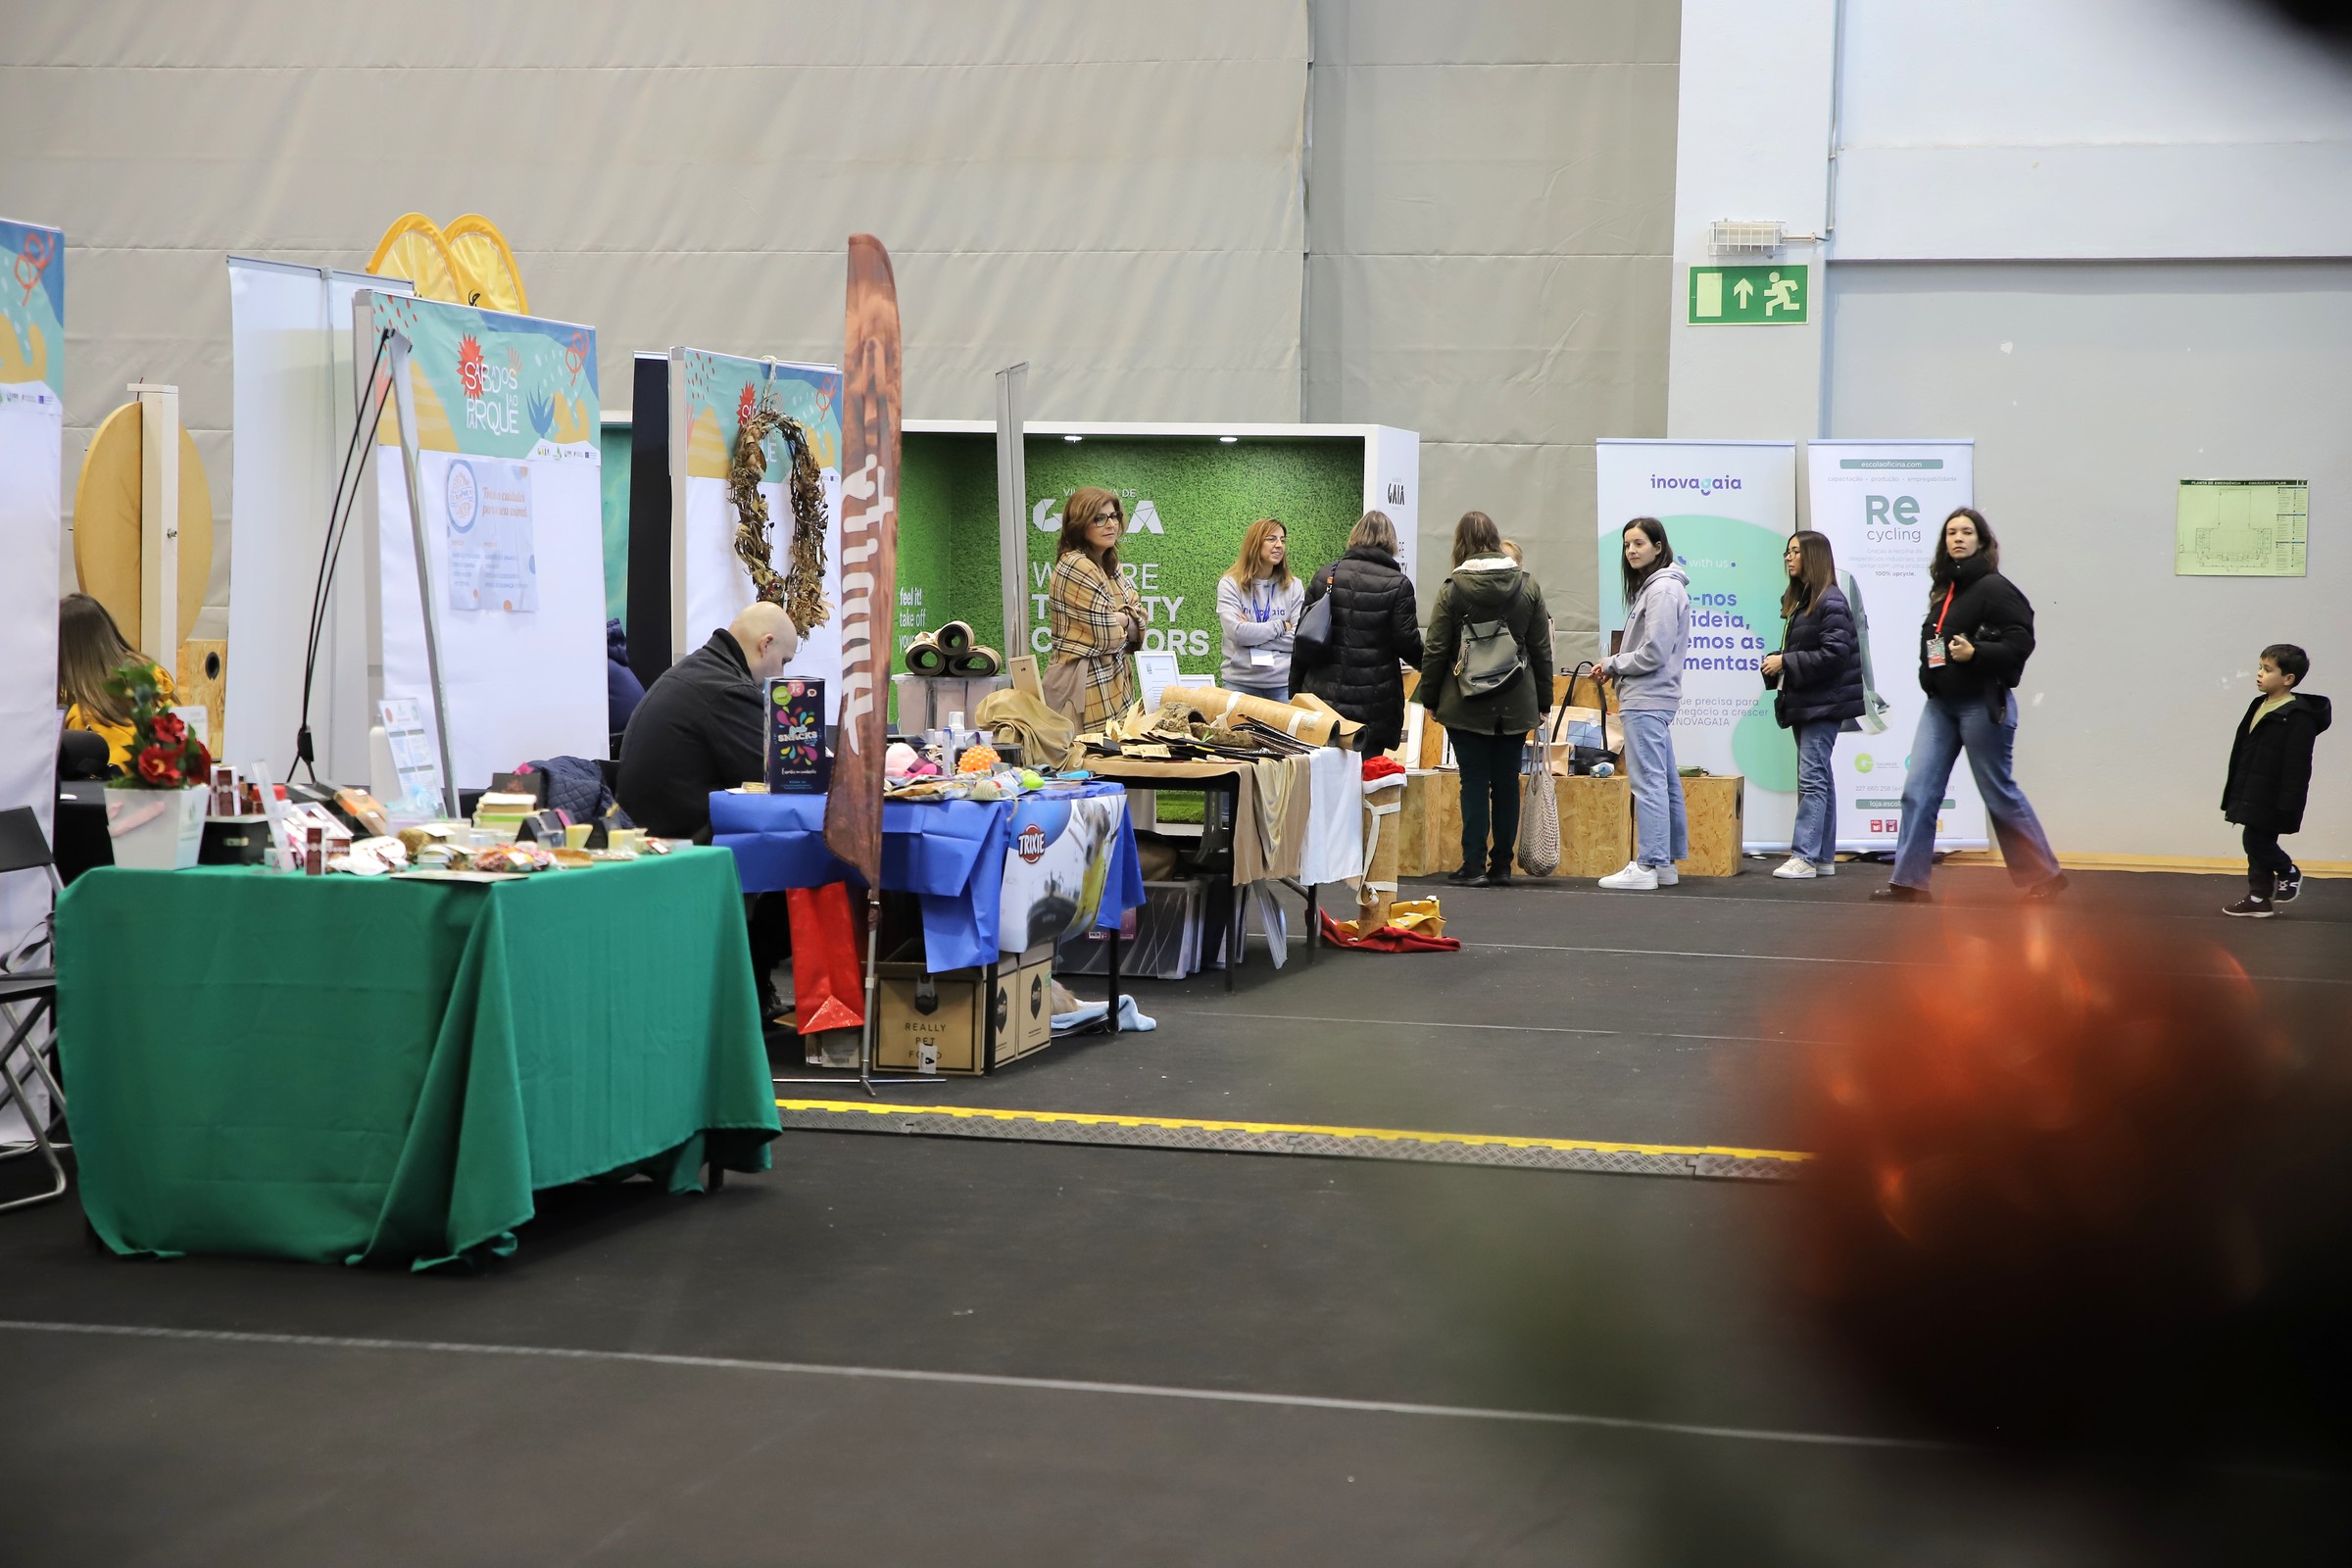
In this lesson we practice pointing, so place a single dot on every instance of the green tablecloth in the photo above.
(360, 1070)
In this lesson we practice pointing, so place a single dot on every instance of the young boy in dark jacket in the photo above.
(2269, 776)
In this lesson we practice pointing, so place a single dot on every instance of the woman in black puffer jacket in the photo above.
(1973, 641)
(1818, 674)
(1375, 632)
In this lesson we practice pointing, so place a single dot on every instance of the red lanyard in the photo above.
(1948, 594)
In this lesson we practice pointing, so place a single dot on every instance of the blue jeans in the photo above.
(1945, 729)
(1816, 793)
(1661, 831)
(1276, 690)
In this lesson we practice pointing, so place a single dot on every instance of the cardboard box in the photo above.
(1029, 1001)
(963, 1021)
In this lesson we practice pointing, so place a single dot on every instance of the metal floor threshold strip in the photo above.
(1289, 1138)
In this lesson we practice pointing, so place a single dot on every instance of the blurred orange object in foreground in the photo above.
(2036, 1140)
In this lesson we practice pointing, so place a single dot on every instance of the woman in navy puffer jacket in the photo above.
(1818, 676)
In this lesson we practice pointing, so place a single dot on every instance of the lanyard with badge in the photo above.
(1262, 606)
(1936, 646)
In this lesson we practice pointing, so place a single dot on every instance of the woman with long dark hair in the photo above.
(1974, 642)
(1375, 632)
(1096, 620)
(1817, 676)
(90, 647)
(1647, 670)
(1487, 598)
(1257, 604)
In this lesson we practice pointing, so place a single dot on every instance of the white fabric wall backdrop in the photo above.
(1109, 191)
(1490, 202)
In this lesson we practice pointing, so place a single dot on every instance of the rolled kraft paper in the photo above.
(980, 663)
(955, 637)
(1301, 723)
(923, 658)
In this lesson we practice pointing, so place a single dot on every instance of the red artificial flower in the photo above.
(158, 767)
(195, 760)
(169, 729)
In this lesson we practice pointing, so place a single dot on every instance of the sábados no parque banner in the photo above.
(1728, 508)
(710, 395)
(1882, 503)
(506, 416)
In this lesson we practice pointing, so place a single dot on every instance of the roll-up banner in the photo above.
(710, 395)
(506, 416)
(1880, 502)
(33, 390)
(1728, 508)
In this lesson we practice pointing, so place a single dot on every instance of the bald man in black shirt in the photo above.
(697, 730)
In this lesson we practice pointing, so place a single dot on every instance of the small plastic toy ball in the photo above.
(1032, 779)
(977, 760)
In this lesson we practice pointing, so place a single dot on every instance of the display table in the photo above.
(950, 854)
(354, 1069)
(1274, 837)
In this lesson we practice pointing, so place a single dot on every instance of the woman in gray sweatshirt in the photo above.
(1647, 670)
(1257, 604)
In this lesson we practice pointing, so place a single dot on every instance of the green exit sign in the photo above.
(1749, 296)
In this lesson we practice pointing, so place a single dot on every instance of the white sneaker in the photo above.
(1634, 878)
(1667, 875)
(1795, 869)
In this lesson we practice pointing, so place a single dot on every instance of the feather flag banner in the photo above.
(869, 551)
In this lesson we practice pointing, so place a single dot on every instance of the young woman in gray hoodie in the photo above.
(1647, 670)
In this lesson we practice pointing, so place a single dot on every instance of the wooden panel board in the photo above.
(106, 525)
(202, 680)
(1715, 805)
(1412, 825)
(1444, 850)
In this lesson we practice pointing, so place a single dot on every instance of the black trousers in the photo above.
(768, 924)
(2266, 862)
(1490, 767)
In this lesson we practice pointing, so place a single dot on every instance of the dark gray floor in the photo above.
(1663, 1303)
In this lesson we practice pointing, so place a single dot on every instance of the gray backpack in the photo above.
(1488, 653)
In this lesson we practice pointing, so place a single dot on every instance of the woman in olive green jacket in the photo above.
(1488, 731)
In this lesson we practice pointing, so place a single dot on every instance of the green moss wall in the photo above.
(1188, 502)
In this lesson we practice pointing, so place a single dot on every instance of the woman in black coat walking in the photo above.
(1818, 676)
(1973, 641)
(1375, 632)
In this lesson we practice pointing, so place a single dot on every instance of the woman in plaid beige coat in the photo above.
(1096, 619)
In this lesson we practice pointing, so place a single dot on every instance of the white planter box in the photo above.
(156, 830)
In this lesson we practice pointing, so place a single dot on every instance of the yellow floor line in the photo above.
(1382, 1134)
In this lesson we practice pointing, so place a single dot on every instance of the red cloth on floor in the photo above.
(1388, 939)
(828, 982)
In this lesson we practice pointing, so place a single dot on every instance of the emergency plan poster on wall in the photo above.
(710, 397)
(1882, 503)
(511, 496)
(1728, 508)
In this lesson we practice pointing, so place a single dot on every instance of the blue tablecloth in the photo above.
(950, 854)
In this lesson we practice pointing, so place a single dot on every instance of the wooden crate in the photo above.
(1715, 805)
(1596, 825)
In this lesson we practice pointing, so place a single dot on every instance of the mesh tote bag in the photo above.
(1538, 820)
